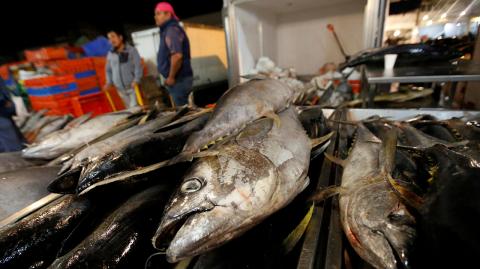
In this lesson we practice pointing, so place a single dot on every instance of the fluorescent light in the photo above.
(430, 22)
(396, 33)
(425, 17)
(463, 13)
(444, 15)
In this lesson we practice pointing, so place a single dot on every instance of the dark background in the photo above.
(32, 24)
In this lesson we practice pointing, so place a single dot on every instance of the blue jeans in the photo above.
(180, 90)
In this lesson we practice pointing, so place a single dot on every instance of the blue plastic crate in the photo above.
(86, 74)
(52, 90)
(98, 47)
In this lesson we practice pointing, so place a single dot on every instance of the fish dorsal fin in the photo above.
(255, 131)
(336, 160)
(320, 140)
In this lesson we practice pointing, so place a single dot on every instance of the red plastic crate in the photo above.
(45, 54)
(49, 81)
(87, 83)
(57, 107)
(96, 103)
(73, 66)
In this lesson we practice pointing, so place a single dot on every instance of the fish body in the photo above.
(62, 142)
(144, 150)
(122, 240)
(96, 151)
(407, 54)
(248, 178)
(240, 105)
(53, 126)
(376, 223)
(34, 241)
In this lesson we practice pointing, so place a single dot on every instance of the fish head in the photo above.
(380, 227)
(220, 197)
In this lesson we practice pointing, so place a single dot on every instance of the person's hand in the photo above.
(134, 85)
(170, 81)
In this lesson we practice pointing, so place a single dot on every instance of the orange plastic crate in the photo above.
(57, 107)
(49, 81)
(96, 103)
(45, 54)
(87, 83)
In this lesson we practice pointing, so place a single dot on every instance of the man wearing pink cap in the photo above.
(173, 57)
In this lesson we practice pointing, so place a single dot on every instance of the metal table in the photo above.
(372, 76)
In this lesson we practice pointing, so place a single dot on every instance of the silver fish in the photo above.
(54, 146)
(245, 180)
(240, 105)
(375, 221)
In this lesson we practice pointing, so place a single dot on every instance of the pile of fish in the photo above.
(143, 185)
(394, 183)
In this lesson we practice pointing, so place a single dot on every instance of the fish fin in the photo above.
(126, 175)
(343, 122)
(335, 160)
(294, 237)
(206, 153)
(402, 190)
(326, 193)
(274, 116)
(183, 264)
(65, 183)
(180, 158)
(320, 140)
(319, 150)
(387, 154)
(144, 119)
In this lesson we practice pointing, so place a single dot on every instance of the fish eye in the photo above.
(192, 185)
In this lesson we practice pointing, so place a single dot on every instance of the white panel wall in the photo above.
(305, 43)
(256, 35)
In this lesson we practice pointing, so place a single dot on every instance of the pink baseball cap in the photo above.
(166, 7)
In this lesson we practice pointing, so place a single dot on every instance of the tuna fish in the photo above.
(375, 221)
(236, 185)
(62, 142)
(34, 241)
(239, 106)
(123, 239)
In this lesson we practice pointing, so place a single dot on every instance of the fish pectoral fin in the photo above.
(405, 192)
(326, 193)
(320, 140)
(274, 116)
(294, 237)
(335, 160)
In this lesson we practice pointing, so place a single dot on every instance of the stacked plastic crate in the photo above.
(84, 72)
(53, 93)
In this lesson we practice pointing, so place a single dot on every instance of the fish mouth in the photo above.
(171, 225)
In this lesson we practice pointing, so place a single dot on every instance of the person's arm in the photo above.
(174, 40)
(108, 72)
(175, 65)
(138, 71)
